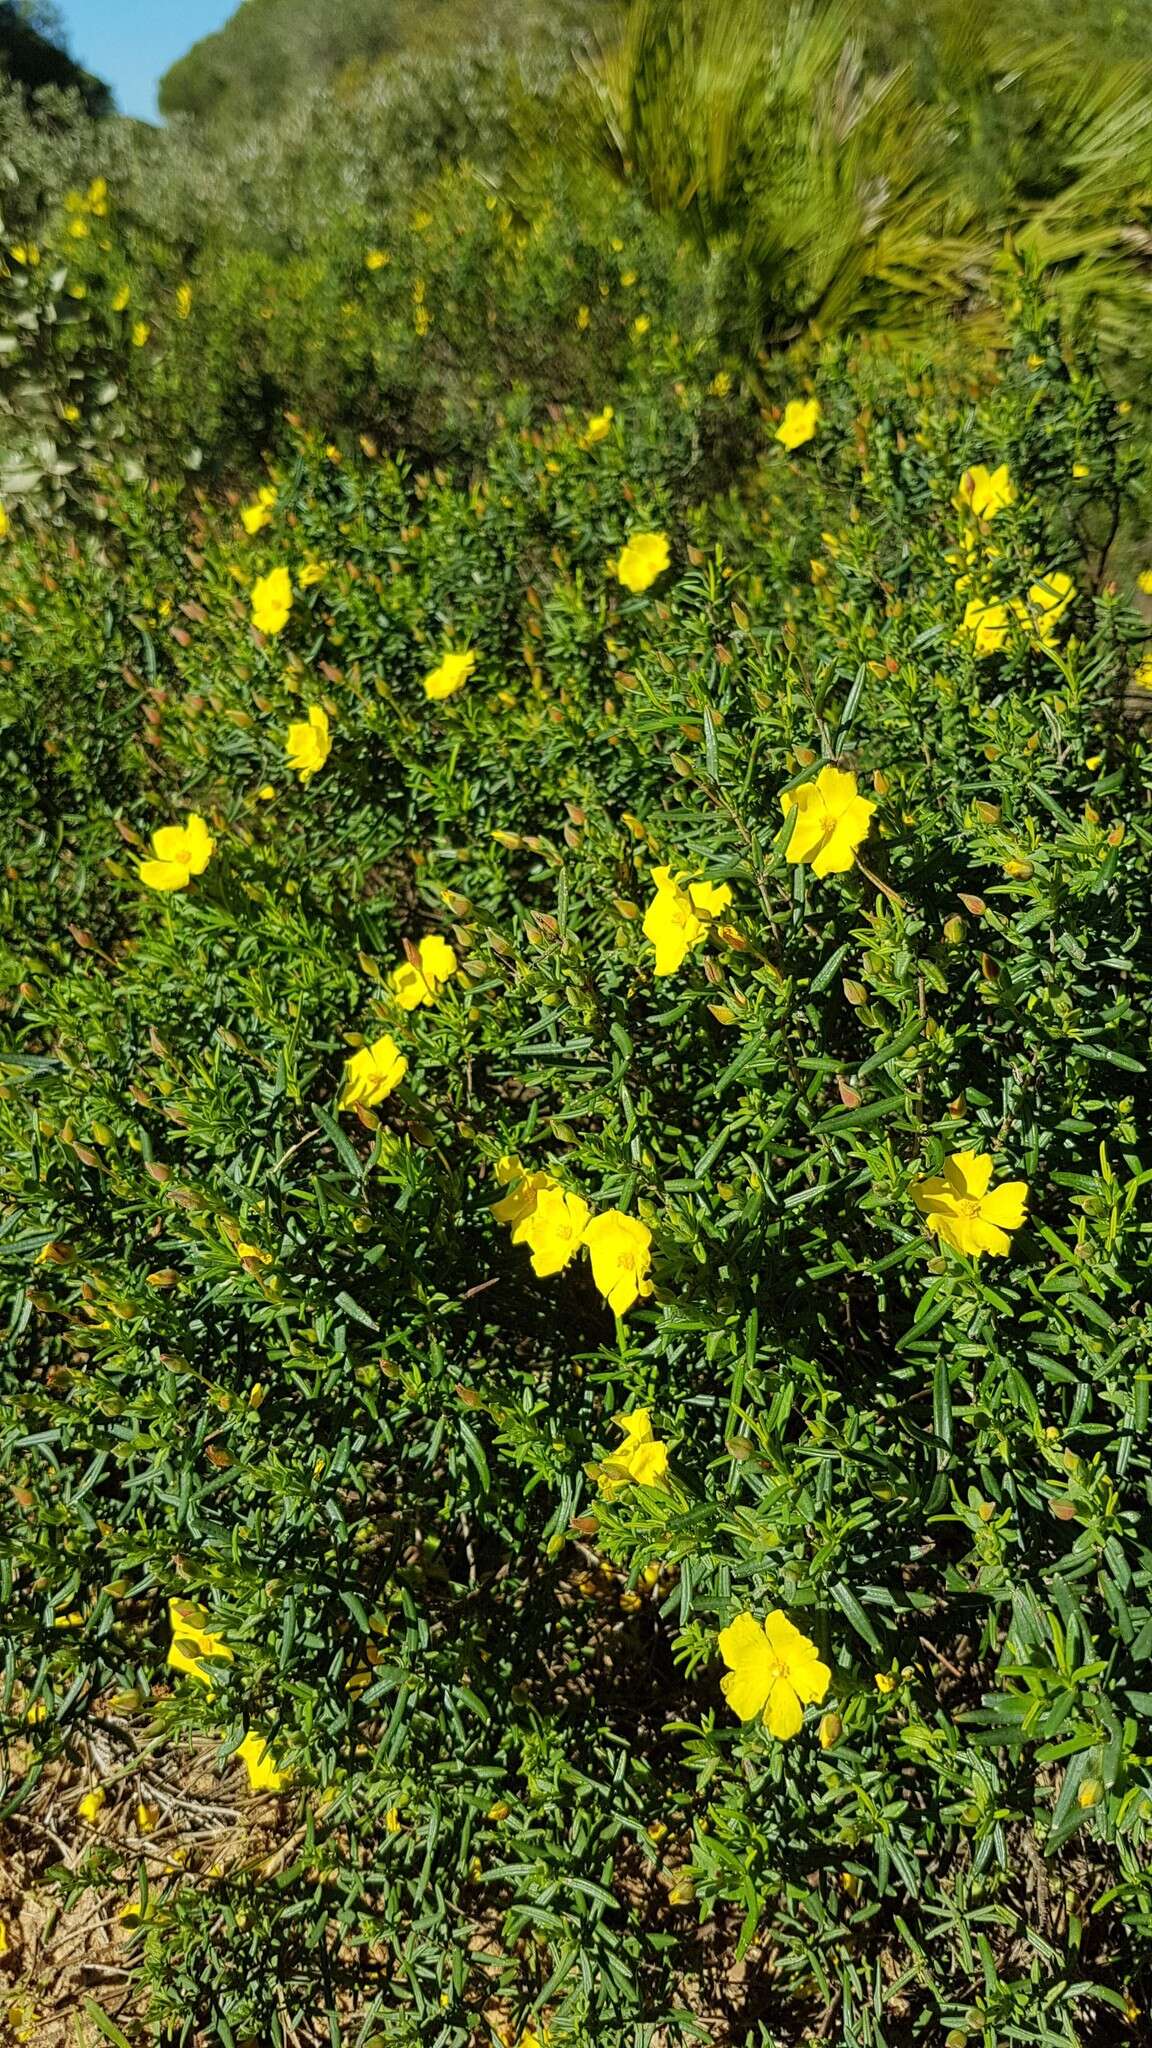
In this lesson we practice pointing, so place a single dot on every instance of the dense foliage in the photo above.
(542, 925)
(272, 51)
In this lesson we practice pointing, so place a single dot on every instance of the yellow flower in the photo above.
(412, 984)
(801, 418)
(310, 573)
(193, 1640)
(621, 1251)
(524, 1189)
(1080, 470)
(721, 384)
(985, 492)
(1142, 676)
(640, 325)
(372, 1073)
(260, 1764)
(989, 623)
(774, 1671)
(309, 743)
(180, 851)
(140, 333)
(599, 427)
(98, 195)
(1144, 582)
(71, 413)
(642, 560)
(77, 229)
(451, 675)
(90, 1805)
(641, 1460)
(832, 821)
(553, 1229)
(120, 298)
(256, 515)
(376, 259)
(1046, 605)
(677, 917)
(183, 300)
(272, 601)
(884, 1681)
(965, 1212)
(583, 316)
(5, 523)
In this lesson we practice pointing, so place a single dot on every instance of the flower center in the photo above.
(969, 1206)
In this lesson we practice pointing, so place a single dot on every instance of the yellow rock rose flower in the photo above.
(193, 1640)
(644, 557)
(679, 916)
(621, 1250)
(414, 984)
(832, 821)
(989, 623)
(372, 1073)
(180, 851)
(984, 492)
(773, 1672)
(255, 516)
(599, 427)
(968, 1214)
(801, 418)
(524, 1189)
(260, 1764)
(272, 601)
(641, 1460)
(553, 1229)
(451, 676)
(309, 742)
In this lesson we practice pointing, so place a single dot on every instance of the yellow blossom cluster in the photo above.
(991, 622)
(555, 1223)
(194, 1647)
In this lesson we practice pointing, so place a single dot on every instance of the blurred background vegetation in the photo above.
(797, 172)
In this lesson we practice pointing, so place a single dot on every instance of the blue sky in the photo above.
(131, 43)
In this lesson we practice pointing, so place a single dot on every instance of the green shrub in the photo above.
(277, 1358)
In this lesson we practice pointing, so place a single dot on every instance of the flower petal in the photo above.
(968, 1173)
(1006, 1205)
(745, 1649)
(783, 1713)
